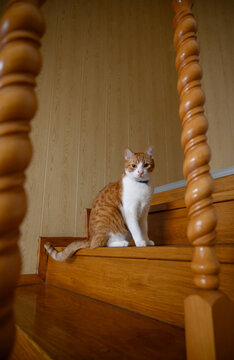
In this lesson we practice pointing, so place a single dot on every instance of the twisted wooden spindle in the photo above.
(21, 27)
(208, 312)
(201, 212)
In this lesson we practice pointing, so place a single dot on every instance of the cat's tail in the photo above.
(68, 251)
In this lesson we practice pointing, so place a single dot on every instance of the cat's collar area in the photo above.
(143, 181)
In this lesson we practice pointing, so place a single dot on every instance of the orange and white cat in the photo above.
(120, 210)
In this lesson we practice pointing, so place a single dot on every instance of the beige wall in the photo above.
(108, 82)
(216, 38)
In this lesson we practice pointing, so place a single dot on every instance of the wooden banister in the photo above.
(201, 212)
(207, 311)
(21, 27)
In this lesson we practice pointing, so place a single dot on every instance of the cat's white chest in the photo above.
(136, 197)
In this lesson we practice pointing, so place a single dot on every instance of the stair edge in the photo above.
(25, 345)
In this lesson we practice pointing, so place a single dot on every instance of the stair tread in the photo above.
(224, 252)
(67, 325)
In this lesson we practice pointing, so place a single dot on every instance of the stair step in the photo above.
(168, 220)
(224, 253)
(152, 281)
(65, 325)
(168, 215)
(25, 348)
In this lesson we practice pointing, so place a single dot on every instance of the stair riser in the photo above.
(169, 226)
(156, 288)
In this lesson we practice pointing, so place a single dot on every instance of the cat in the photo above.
(120, 210)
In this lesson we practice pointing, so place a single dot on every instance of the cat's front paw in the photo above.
(150, 243)
(141, 243)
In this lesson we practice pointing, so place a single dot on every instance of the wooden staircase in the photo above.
(123, 303)
(116, 303)
(55, 323)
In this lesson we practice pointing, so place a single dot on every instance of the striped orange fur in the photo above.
(109, 208)
(106, 217)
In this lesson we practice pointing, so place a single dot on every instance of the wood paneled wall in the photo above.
(216, 39)
(109, 81)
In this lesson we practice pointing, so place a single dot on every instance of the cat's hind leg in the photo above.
(98, 240)
(117, 240)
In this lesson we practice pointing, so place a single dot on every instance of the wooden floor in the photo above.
(65, 325)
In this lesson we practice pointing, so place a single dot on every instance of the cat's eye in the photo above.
(133, 165)
(146, 165)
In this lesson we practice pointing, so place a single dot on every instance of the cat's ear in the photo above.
(150, 151)
(128, 154)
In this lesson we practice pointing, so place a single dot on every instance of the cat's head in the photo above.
(139, 166)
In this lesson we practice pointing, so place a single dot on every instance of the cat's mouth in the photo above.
(141, 177)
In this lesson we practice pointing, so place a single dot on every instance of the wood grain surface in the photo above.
(69, 326)
(169, 226)
(26, 348)
(215, 340)
(29, 279)
(225, 253)
(216, 17)
(156, 288)
(21, 28)
(43, 255)
(221, 185)
(208, 322)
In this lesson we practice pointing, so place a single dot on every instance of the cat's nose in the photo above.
(140, 172)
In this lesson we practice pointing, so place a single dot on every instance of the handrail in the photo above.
(205, 314)
(21, 27)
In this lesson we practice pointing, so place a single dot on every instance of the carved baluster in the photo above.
(207, 312)
(202, 215)
(21, 27)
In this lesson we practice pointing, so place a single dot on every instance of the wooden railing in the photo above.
(207, 311)
(21, 27)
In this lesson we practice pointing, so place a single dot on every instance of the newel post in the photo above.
(21, 27)
(207, 311)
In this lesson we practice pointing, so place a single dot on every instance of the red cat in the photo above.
(120, 210)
